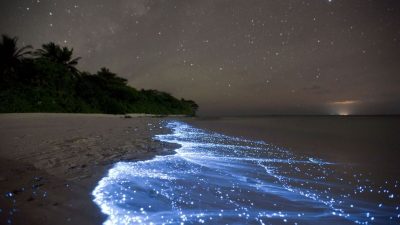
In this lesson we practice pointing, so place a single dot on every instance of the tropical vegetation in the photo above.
(47, 80)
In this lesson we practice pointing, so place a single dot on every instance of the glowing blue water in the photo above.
(216, 179)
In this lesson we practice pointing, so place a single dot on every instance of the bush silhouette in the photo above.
(47, 80)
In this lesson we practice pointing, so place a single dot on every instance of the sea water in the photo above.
(219, 179)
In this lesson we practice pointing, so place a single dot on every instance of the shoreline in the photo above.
(50, 163)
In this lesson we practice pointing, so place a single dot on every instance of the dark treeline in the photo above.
(47, 80)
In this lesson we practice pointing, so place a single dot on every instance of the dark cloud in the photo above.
(232, 56)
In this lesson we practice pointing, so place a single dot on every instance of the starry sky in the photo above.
(233, 57)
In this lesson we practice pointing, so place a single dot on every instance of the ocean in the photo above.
(263, 170)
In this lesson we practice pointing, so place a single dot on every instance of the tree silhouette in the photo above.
(110, 77)
(62, 55)
(10, 55)
(50, 82)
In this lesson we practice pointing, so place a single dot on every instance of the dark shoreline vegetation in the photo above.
(47, 80)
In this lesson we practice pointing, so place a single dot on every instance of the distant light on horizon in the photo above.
(345, 102)
(343, 111)
(343, 107)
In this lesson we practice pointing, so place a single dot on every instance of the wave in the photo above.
(218, 179)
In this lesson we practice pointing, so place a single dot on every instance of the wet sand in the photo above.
(50, 163)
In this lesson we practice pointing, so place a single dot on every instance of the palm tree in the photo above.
(110, 77)
(10, 55)
(62, 55)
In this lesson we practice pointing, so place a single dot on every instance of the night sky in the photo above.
(239, 57)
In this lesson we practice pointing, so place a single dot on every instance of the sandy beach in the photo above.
(50, 163)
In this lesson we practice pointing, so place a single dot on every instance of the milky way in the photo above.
(232, 57)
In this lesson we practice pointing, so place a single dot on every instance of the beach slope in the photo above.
(50, 163)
